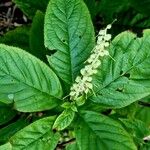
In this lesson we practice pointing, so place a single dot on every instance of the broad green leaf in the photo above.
(64, 119)
(146, 99)
(127, 79)
(138, 131)
(37, 36)
(128, 111)
(6, 146)
(26, 81)
(29, 7)
(95, 131)
(36, 136)
(143, 113)
(89, 105)
(6, 114)
(72, 146)
(68, 30)
(11, 129)
(18, 37)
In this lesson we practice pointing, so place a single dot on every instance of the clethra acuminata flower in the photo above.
(83, 83)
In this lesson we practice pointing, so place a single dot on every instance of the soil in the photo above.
(10, 16)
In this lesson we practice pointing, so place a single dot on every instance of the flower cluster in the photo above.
(83, 83)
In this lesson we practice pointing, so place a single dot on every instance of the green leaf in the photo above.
(72, 146)
(80, 100)
(26, 81)
(6, 114)
(146, 100)
(18, 37)
(143, 114)
(37, 36)
(64, 119)
(29, 7)
(36, 136)
(69, 30)
(138, 130)
(6, 146)
(95, 131)
(89, 105)
(8, 131)
(128, 111)
(127, 79)
(69, 105)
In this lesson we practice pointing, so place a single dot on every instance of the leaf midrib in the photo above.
(70, 38)
(25, 146)
(103, 130)
(31, 86)
(68, 35)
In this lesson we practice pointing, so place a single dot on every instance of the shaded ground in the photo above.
(10, 16)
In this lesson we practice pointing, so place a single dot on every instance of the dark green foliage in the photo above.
(142, 6)
(36, 39)
(29, 7)
(8, 131)
(18, 37)
(6, 113)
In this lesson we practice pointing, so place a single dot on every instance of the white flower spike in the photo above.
(83, 84)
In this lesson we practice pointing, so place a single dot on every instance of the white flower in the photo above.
(83, 83)
(72, 93)
(83, 71)
(109, 26)
(78, 79)
(107, 37)
(102, 32)
(96, 64)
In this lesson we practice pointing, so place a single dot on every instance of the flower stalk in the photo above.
(83, 83)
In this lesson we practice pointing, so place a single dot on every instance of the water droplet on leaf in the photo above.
(11, 96)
